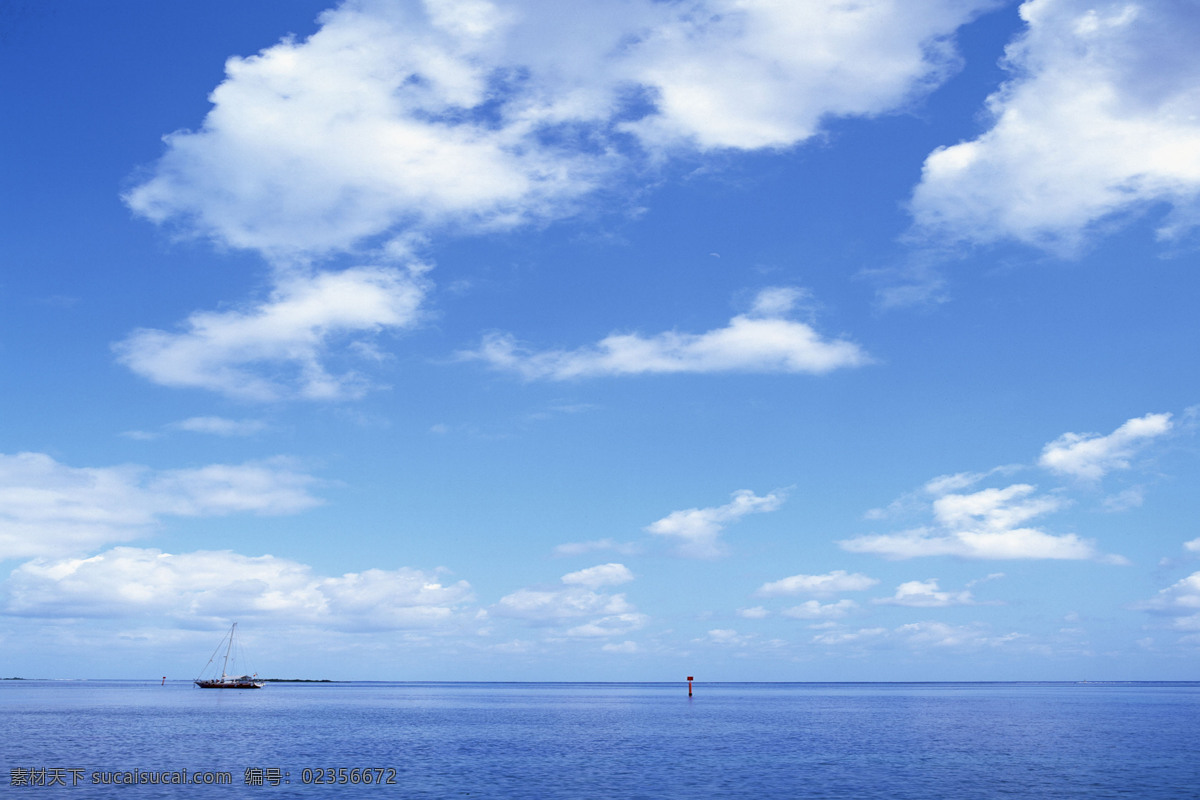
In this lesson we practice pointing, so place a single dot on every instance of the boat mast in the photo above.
(227, 649)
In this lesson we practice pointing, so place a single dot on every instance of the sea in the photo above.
(589, 741)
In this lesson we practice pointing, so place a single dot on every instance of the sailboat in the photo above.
(227, 681)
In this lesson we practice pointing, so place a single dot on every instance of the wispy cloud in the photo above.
(598, 545)
(918, 637)
(697, 531)
(1090, 456)
(830, 583)
(814, 609)
(601, 575)
(277, 349)
(220, 426)
(763, 340)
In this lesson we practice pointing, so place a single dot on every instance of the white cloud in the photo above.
(760, 341)
(698, 530)
(50, 509)
(757, 612)
(939, 634)
(738, 74)
(601, 575)
(552, 605)
(918, 636)
(839, 637)
(384, 117)
(926, 594)
(1192, 546)
(495, 113)
(397, 120)
(278, 348)
(626, 647)
(1090, 456)
(220, 426)
(615, 625)
(1181, 601)
(612, 615)
(1100, 117)
(944, 484)
(813, 609)
(727, 636)
(830, 583)
(982, 525)
(203, 585)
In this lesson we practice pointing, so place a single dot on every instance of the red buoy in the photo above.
(689, 685)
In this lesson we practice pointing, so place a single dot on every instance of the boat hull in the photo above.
(229, 684)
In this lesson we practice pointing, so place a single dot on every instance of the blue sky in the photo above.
(469, 339)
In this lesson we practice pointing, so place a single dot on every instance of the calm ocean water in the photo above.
(485, 740)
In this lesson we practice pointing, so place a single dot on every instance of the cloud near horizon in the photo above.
(51, 509)
(206, 585)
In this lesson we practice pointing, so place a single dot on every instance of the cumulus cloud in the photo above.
(611, 614)
(1090, 456)
(763, 340)
(766, 74)
(278, 348)
(51, 509)
(697, 531)
(987, 524)
(830, 583)
(202, 585)
(1101, 116)
(399, 119)
(469, 112)
(926, 594)
(1179, 601)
